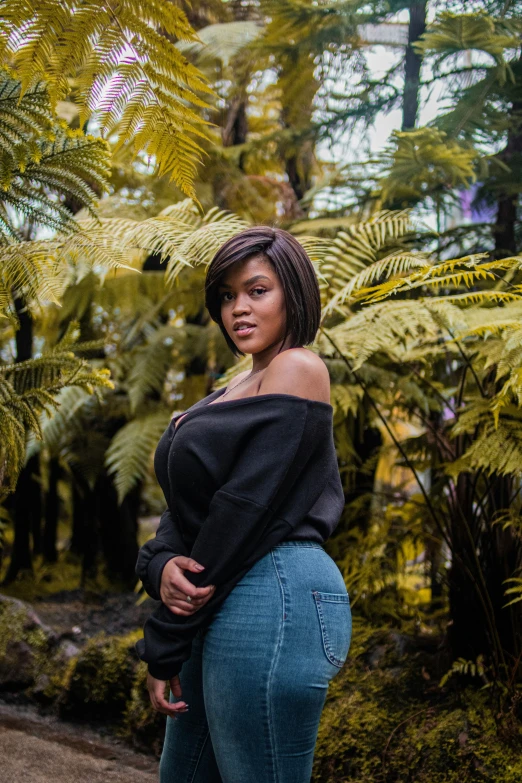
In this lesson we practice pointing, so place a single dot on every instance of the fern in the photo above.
(28, 389)
(130, 451)
(452, 33)
(353, 258)
(516, 589)
(126, 68)
(462, 666)
(43, 163)
(150, 365)
(425, 161)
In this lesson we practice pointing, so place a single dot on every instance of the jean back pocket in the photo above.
(335, 619)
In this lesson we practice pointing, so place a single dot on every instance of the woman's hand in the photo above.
(156, 689)
(175, 587)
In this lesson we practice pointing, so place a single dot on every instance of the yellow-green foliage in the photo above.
(392, 722)
(47, 579)
(27, 652)
(101, 679)
(126, 66)
(425, 161)
(40, 158)
(29, 388)
(15, 625)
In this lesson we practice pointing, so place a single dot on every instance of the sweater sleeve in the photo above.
(272, 454)
(155, 554)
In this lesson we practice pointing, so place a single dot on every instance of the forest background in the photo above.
(134, 139)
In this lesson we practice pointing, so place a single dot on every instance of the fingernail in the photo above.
(200, 567)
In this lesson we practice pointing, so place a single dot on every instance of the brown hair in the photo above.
(294, 269)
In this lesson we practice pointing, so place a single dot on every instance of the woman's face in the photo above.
(251, 291)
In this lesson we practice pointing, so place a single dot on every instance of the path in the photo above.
(35, 749)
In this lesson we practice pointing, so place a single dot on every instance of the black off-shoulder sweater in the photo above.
(239, 477)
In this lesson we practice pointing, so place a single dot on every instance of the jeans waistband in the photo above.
(304, 542)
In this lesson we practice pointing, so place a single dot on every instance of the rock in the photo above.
(26, 644)
(29, 619)
(376, 655)
(17, 665)
(67, 650)
(100, 679)
(40, 690)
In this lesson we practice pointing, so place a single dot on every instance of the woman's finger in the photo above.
(156, 690)
(175, 687)
(179, 605)
(179, 610)
(179, 582)
(168, 708)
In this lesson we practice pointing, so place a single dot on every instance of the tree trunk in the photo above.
(412, 65)
(507, 204)
(468, 633)
(505, 240)
(26, 493)
(235, 128)
(52, 510)
(85, 534)
(36, 507)
(118, 529)
(366, 441)
(23, 510)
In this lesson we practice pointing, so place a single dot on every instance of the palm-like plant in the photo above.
(44, 166)
(439, 341)
(126, 67)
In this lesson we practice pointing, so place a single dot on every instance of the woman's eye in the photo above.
(225, 293)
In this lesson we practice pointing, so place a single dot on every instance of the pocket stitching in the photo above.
(326, 644)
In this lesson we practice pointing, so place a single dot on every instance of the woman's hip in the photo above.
(291, 606)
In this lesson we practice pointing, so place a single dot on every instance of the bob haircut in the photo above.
(293, 268)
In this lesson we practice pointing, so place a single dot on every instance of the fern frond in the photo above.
(424, 161)
(467, 271)
(28, 389)
(151, 364)
(496, 449)
(452, 33)
(516, 589)
(43, 163)
(130, 451)
(65, 421)
(355, 250)
(199, 246)
(126, 66)
(394, 264)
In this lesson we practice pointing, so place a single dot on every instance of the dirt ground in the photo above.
(34, 749)
(38, 748)
(77, 616)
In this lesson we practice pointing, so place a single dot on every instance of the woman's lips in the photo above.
(244, 331)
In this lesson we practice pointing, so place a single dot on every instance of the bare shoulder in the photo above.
(297, 371)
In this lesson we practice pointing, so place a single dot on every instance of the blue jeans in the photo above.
(258, 676)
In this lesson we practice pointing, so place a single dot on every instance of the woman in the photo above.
(255, 618)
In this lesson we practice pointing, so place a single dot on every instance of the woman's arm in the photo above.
(240, 516)
(156, 552)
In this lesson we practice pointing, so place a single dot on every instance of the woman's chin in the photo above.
(250, 345)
